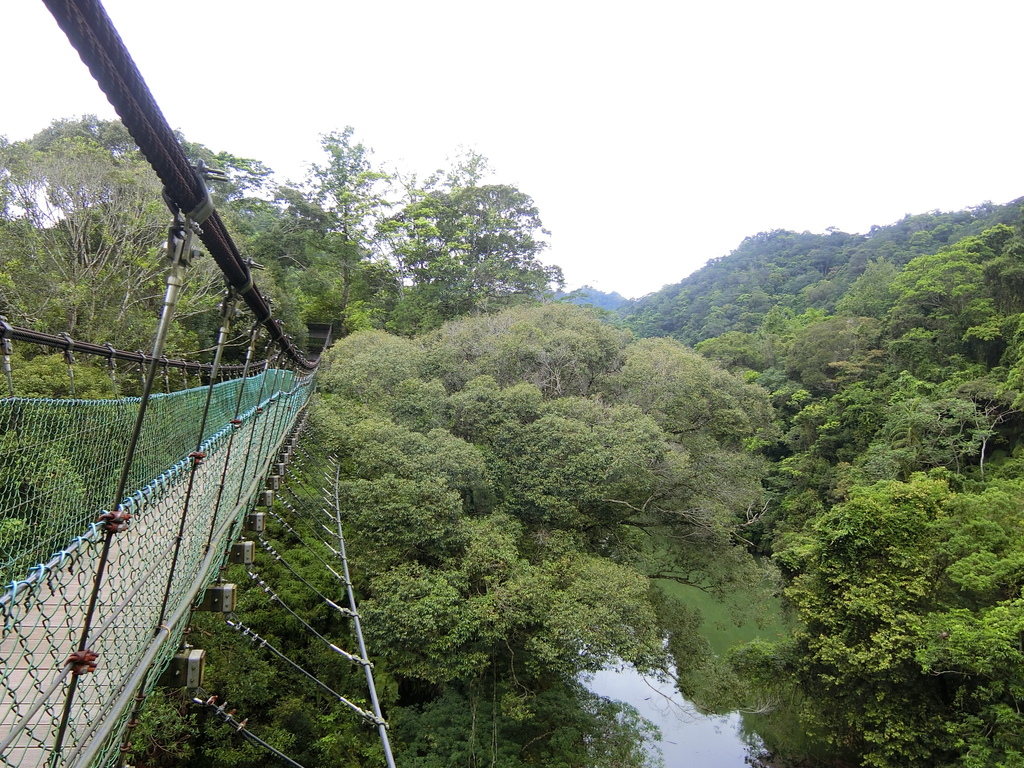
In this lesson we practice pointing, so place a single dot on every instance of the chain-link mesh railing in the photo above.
(60, 462)
(60, 459)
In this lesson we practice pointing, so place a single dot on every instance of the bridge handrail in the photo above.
(64, 343)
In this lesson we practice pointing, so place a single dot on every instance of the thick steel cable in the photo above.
(374, 701)
(347, 581)
(91, 32)
(357, 626)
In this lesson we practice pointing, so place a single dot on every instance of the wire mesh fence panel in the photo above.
(143, 602)
(61, 459)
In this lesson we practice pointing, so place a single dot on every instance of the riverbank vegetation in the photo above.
(833, 418)
(893, 362)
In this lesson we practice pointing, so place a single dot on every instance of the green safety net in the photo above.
(61, 461)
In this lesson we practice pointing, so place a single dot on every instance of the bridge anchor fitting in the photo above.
(219, 598)
(243, 552)
(186, 670)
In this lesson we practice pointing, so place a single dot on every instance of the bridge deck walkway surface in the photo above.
(35, 646)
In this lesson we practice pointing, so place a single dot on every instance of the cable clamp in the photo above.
(69, 347)
(110, 355)
(6, 333)
(197, 457)
(251, 265)
(82, 662)
(201, 212)
(247, 287)
(114, 522)
(373, 719)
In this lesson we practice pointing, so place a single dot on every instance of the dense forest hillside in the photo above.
(893, 499)
(512, 474)
(510, 486)
(590, 296)
(796, 271)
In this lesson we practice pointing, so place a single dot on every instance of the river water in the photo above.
(688, 739)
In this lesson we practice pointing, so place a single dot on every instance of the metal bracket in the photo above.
(229, 306)
(69, 348)
(185, 670)
(220, 598)
(242, 552)
(255, 522)
(7, 349)
(205, 208)
(6, 331)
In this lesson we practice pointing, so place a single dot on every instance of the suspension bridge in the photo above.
(118, 516)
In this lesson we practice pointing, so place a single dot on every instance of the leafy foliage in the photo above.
(890, 491)
(503, 498)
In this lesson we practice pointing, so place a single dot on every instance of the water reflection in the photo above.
(688, 739)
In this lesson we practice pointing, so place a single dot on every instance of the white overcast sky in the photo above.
(652, 135)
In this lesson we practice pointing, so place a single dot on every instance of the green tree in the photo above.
(943, 301)
(375, 365)
(467, 250)
(352, 193)
(909, 652)
(561, 349)
(871, 294)
(869, 581)
(716, 422)
(80, 234)
(927, 426)
(835, 351)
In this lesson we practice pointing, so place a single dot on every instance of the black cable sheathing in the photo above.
(92, 33)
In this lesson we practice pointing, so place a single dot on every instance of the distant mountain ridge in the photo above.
(796, 270)
(587, 295)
